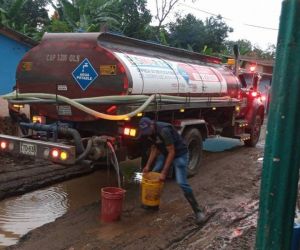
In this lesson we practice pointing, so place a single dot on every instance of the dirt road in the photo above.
(19, 175)
(227, 187)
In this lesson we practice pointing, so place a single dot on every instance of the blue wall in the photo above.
(11, 52)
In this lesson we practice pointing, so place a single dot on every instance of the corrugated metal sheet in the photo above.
(17, 36)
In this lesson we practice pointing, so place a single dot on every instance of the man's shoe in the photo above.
(201, 218)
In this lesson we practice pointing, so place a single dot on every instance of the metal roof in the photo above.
(17, 36)
(262, 62)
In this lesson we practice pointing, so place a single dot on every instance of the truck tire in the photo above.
(194, 142)
(254, 132)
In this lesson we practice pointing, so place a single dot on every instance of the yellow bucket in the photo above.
(151, 189)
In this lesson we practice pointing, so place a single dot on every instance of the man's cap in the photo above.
(144, 126)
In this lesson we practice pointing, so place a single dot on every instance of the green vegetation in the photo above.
(29, 17)
(201, 36)
(128, 17)
(82, 15)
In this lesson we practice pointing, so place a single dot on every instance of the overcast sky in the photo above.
(237, 14)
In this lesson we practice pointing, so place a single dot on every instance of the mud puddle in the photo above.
(19, 215)
(229, 228)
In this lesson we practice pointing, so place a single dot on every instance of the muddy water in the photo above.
(19, 215)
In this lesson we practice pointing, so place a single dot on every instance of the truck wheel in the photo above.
(254, 132)
(194, 142)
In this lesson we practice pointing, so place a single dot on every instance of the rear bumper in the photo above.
(38, 149)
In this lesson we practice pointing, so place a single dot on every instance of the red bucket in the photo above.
(111, 203)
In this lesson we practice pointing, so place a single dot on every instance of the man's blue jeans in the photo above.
(180, 165)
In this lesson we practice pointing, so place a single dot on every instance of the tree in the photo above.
(85, 15)
(216, 31)
(270, 52)
(10, 13)
(26, 16)
(58, 26)
(163, 10)
(187, 32)
(134, 18)
(246, 48)
(244, 45)
(35, 14)
(194, 34)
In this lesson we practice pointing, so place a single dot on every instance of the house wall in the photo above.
(11, 53)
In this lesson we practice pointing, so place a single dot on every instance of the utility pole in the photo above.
(282, 152)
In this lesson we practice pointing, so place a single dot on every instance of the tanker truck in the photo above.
(88, 91)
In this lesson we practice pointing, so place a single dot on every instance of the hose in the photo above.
(76, 136)
(65, 131)
(18, 99)
(85, 152)
(78, 103)
(55, 129)
(81, 101)
(84, 108)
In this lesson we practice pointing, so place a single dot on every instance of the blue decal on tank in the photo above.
(84, 74)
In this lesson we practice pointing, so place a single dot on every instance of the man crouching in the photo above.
(167, 148)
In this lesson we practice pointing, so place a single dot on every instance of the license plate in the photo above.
(28, 149)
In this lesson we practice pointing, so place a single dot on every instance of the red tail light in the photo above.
(59, 155)
(263, 98)
(55, 153)
(3, 145)
(254, 94)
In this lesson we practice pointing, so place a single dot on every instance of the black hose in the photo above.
(60, 130)
(85, 152)
(76, 136)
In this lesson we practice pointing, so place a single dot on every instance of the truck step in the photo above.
(243, 137)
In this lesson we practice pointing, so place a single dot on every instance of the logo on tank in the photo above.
(84, 74)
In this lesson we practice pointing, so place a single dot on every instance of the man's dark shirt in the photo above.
(166, 135)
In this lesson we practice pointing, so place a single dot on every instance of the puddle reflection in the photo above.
(19, 215)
